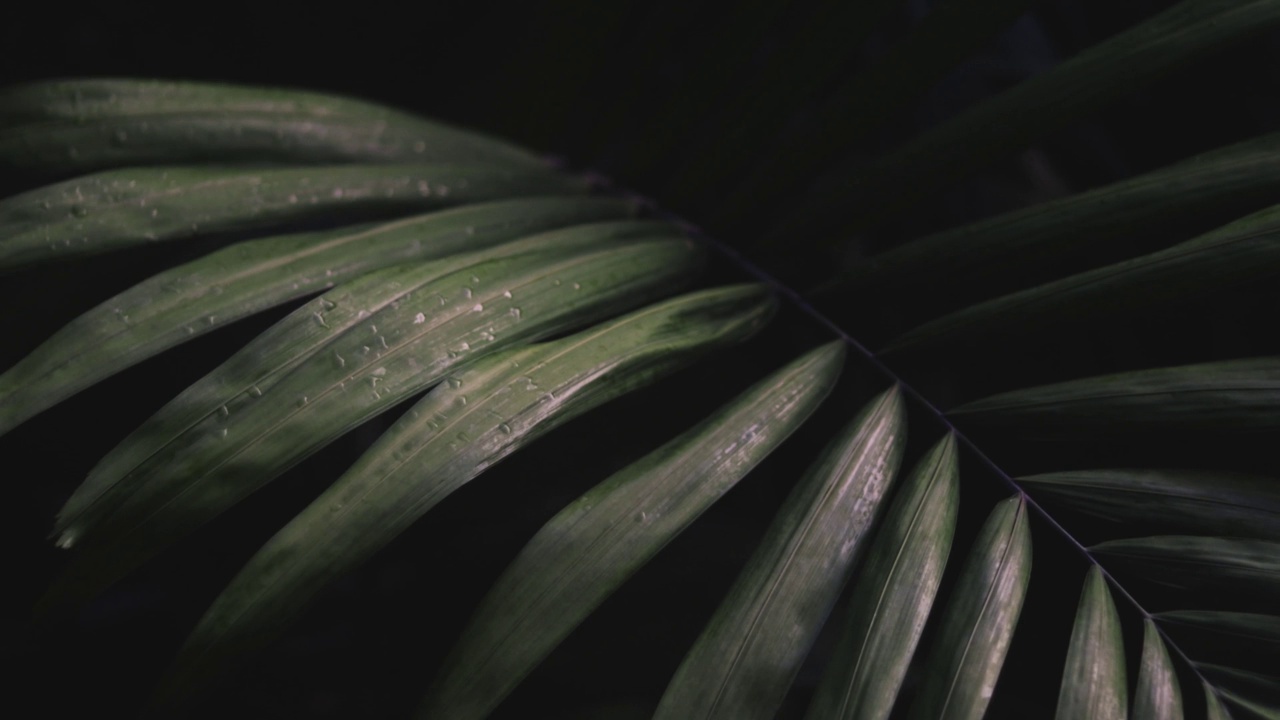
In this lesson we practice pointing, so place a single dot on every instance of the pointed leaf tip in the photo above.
(979, 620)
(1159, 696)
(893, 594)
(1094, 683)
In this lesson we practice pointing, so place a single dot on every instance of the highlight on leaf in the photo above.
(464, 426)
(490, 296)
(747, 656)
(595, 544)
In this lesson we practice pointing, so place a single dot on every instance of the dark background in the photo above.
(678, 101)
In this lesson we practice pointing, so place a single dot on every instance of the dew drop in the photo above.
(319, 320)
(79, 210)
(577, 286)
(479, 307)
(506, 294)
(466, 292)
(255, 391)
(515, 312)
(419, 318)
(505, 428)
(338, 360)
(302, 401)
(223, 411)
(454, 382)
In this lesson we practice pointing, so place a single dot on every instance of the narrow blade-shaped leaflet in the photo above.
(747, 656)
(893, 594)
(1159, 697)
(964, 664)
(123, 208)
(1094, 682)
(65, 127)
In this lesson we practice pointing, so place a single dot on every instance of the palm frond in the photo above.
(494, 299)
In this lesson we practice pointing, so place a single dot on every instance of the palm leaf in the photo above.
(749, 653)
(1094, 683)
(75, 126)
(448, 302)
(978, 622)
(1159, 696)
(893, 596)
(120, 208)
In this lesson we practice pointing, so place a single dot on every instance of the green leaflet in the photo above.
(1250, 567)
(977, 626)
(1214, 709)
(1261, 629)
(893, 594)
(398, 335)
(1241, 252)
(747, 656)
(1011, 120)
(192, 299)
(1249, 708)
(458, 430)
(1208, 503)
(1094, 683)
(1034, 238)
(595, 544)
(1249, 641)
(1257, 694)
(1231, 395)
(1159, 696)
(122, 208)
(65, 127)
